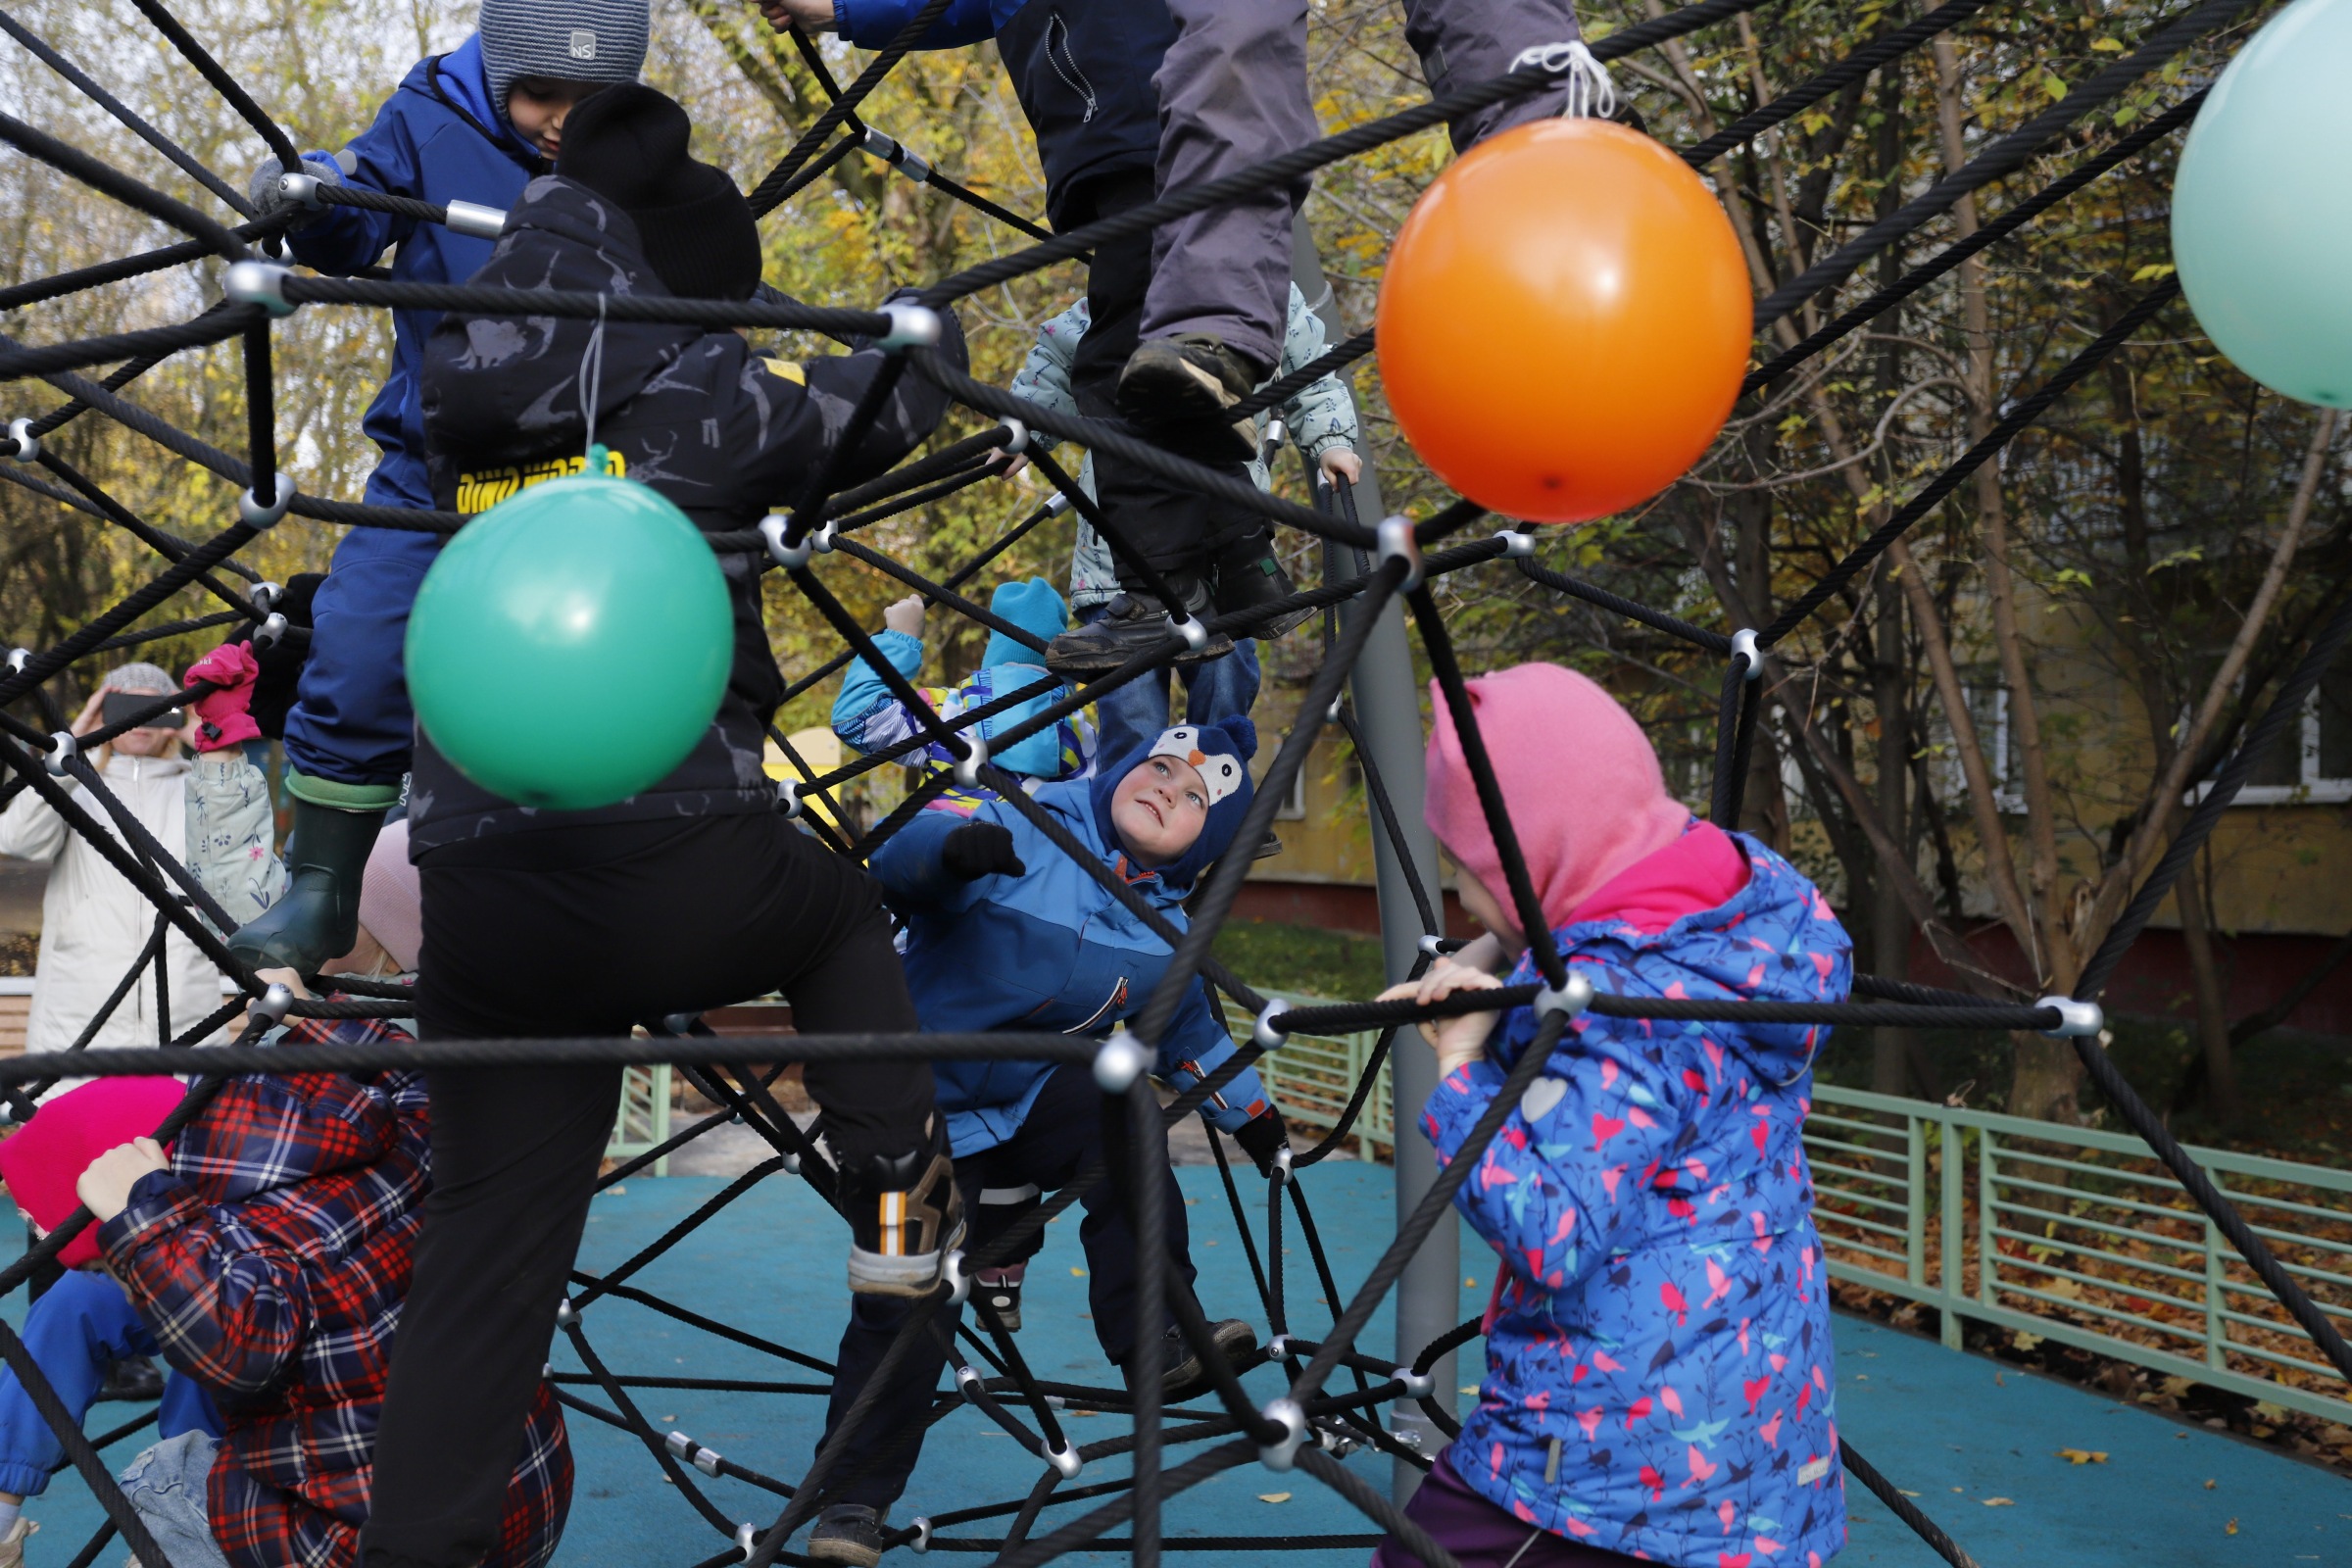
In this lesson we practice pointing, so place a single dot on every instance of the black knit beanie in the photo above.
(629, 145)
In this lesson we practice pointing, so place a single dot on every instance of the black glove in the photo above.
(980, 848)
(1263, 1138)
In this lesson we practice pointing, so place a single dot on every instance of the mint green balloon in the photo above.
(570, 645)
(2262, 207)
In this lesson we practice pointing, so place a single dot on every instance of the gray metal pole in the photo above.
(1387, 713)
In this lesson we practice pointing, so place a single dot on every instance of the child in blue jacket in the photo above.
(475, 124)
(1005, 931)
(868, 717)
(1659, 1377)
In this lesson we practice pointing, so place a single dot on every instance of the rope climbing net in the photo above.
(1333, 1390)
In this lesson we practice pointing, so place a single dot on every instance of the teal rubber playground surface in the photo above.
(1976, 1442)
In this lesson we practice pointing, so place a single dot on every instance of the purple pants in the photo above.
(1233, 93)
(1481, 1534)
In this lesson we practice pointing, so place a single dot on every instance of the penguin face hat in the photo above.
(1218, 757)
(1221, 772)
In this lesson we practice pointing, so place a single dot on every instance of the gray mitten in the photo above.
(263, 189)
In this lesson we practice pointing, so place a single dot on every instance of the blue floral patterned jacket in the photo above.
(1659, 1377)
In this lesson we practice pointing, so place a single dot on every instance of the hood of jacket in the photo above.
(279, 1131)
(558, 235)
(459, 81)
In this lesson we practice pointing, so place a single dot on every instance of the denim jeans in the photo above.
(166, 1485)
(1132, 717)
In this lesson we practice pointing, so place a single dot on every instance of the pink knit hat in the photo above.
(1581, 781)
(42, 1162)
(390, 905)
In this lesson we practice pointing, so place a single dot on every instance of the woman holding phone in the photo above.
(212, 809)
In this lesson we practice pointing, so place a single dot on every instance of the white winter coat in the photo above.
(94, 923)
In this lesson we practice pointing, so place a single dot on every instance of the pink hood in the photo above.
(1586, 797)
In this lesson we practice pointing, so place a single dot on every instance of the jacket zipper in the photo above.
(1111, 1004)
(1056, 29)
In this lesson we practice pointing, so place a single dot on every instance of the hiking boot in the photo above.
(1248, 576)
(904, 1216)
(318, 917)
(997, 1292)
(847, 1531)
(133, 1378)
(1128, 625)
(1186, 1376)
(11, 1544)
(1179, 388)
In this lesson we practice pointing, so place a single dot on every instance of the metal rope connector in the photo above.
(1058, 504)
(300, 189)
(1269, 1035)
(2073, 1017)
(270, 632)
(747, 1539)
(1516, 546)
(565, 1316)
(266, 596)
(17, 659)
(64, 746)
(1278, 1348)
(23, 445)
(1743, 640)
(261, 283)
(788, 798)
(775, 529)
(253, 514)
(958, 1278)
(968, 766)
(968, 1378)
(1120, 1062)
(898, 155)
(473, 218)
(1397, 543)
(922, 1532)
(911, 326)
(1018, 440)
(1065, 1461)
(1415, 1385)
(1195, 635)
(1286, 1414)
(1571, 998)
(274, 1003)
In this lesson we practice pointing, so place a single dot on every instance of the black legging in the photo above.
(589, 931)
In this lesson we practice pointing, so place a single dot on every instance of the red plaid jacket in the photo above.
(270, 1261)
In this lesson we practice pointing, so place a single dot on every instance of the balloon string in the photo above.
(592, 374)
(1592, 92)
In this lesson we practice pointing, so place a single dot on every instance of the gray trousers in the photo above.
(1233, 93)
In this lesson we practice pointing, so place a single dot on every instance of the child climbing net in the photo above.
(1316, 1421)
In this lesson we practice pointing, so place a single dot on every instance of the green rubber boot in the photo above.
(326, 853)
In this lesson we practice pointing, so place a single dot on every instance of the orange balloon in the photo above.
(1564, 321)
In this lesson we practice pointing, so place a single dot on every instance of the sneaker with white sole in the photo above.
(904, 1216)
(848, 1533)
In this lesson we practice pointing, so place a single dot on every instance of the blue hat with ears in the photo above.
(1220, 752)
(1036, 609)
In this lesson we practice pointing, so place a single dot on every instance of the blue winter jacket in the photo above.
(1659, 1377)
(1082, 70)
(438, 138)
(1050, 949)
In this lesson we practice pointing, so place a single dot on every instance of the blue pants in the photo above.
(79, 1325)
(1132, 717)
(351, 721)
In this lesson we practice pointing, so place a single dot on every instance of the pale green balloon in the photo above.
(2262, 206)
(570, 645)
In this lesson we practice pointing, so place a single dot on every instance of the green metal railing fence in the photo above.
(1313, 1076)
(2083, 1237)
(644, 1119)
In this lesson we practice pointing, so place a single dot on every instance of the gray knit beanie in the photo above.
(570, 40)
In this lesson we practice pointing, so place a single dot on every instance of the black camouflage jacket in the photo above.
(726, 433)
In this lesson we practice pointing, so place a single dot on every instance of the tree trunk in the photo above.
(2213, 1015)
